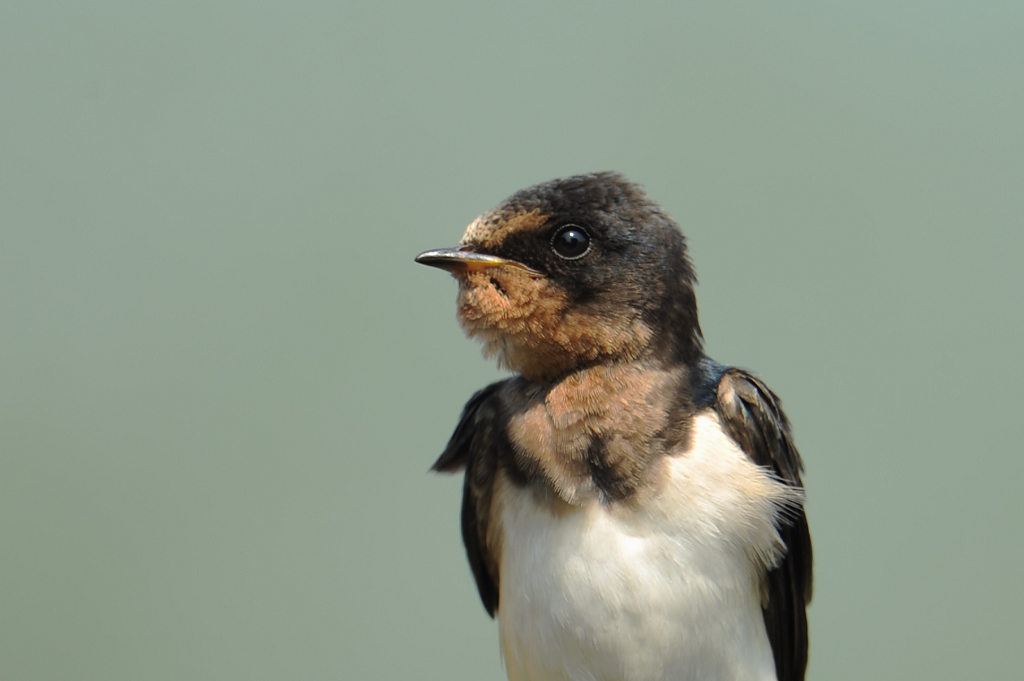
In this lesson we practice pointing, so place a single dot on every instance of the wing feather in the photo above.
(752, 415)
(476, 444)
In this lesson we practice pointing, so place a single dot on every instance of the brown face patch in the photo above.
(596, 433)
(490, 229)
(527, 322)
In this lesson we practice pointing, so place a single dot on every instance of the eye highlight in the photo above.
(571, 242)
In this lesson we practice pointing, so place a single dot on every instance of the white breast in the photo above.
(666, 591)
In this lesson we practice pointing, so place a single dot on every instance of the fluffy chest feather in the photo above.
(668, 588)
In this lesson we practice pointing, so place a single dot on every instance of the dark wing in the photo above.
(475, 446)
(752, 415)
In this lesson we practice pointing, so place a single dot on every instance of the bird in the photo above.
(632, 510)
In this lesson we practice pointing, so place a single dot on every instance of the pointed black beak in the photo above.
(465, 259)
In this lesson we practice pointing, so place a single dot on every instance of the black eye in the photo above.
(571, 242)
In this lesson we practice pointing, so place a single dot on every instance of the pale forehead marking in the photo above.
(491, 228)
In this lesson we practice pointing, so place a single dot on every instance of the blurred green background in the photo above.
(223, 379)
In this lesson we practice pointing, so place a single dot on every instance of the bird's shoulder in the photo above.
(478, 429)
(752, 415)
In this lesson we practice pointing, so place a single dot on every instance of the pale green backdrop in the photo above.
(222, 378)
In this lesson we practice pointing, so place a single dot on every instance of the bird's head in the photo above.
(575, 272)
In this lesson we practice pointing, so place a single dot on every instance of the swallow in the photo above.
(632, 510)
